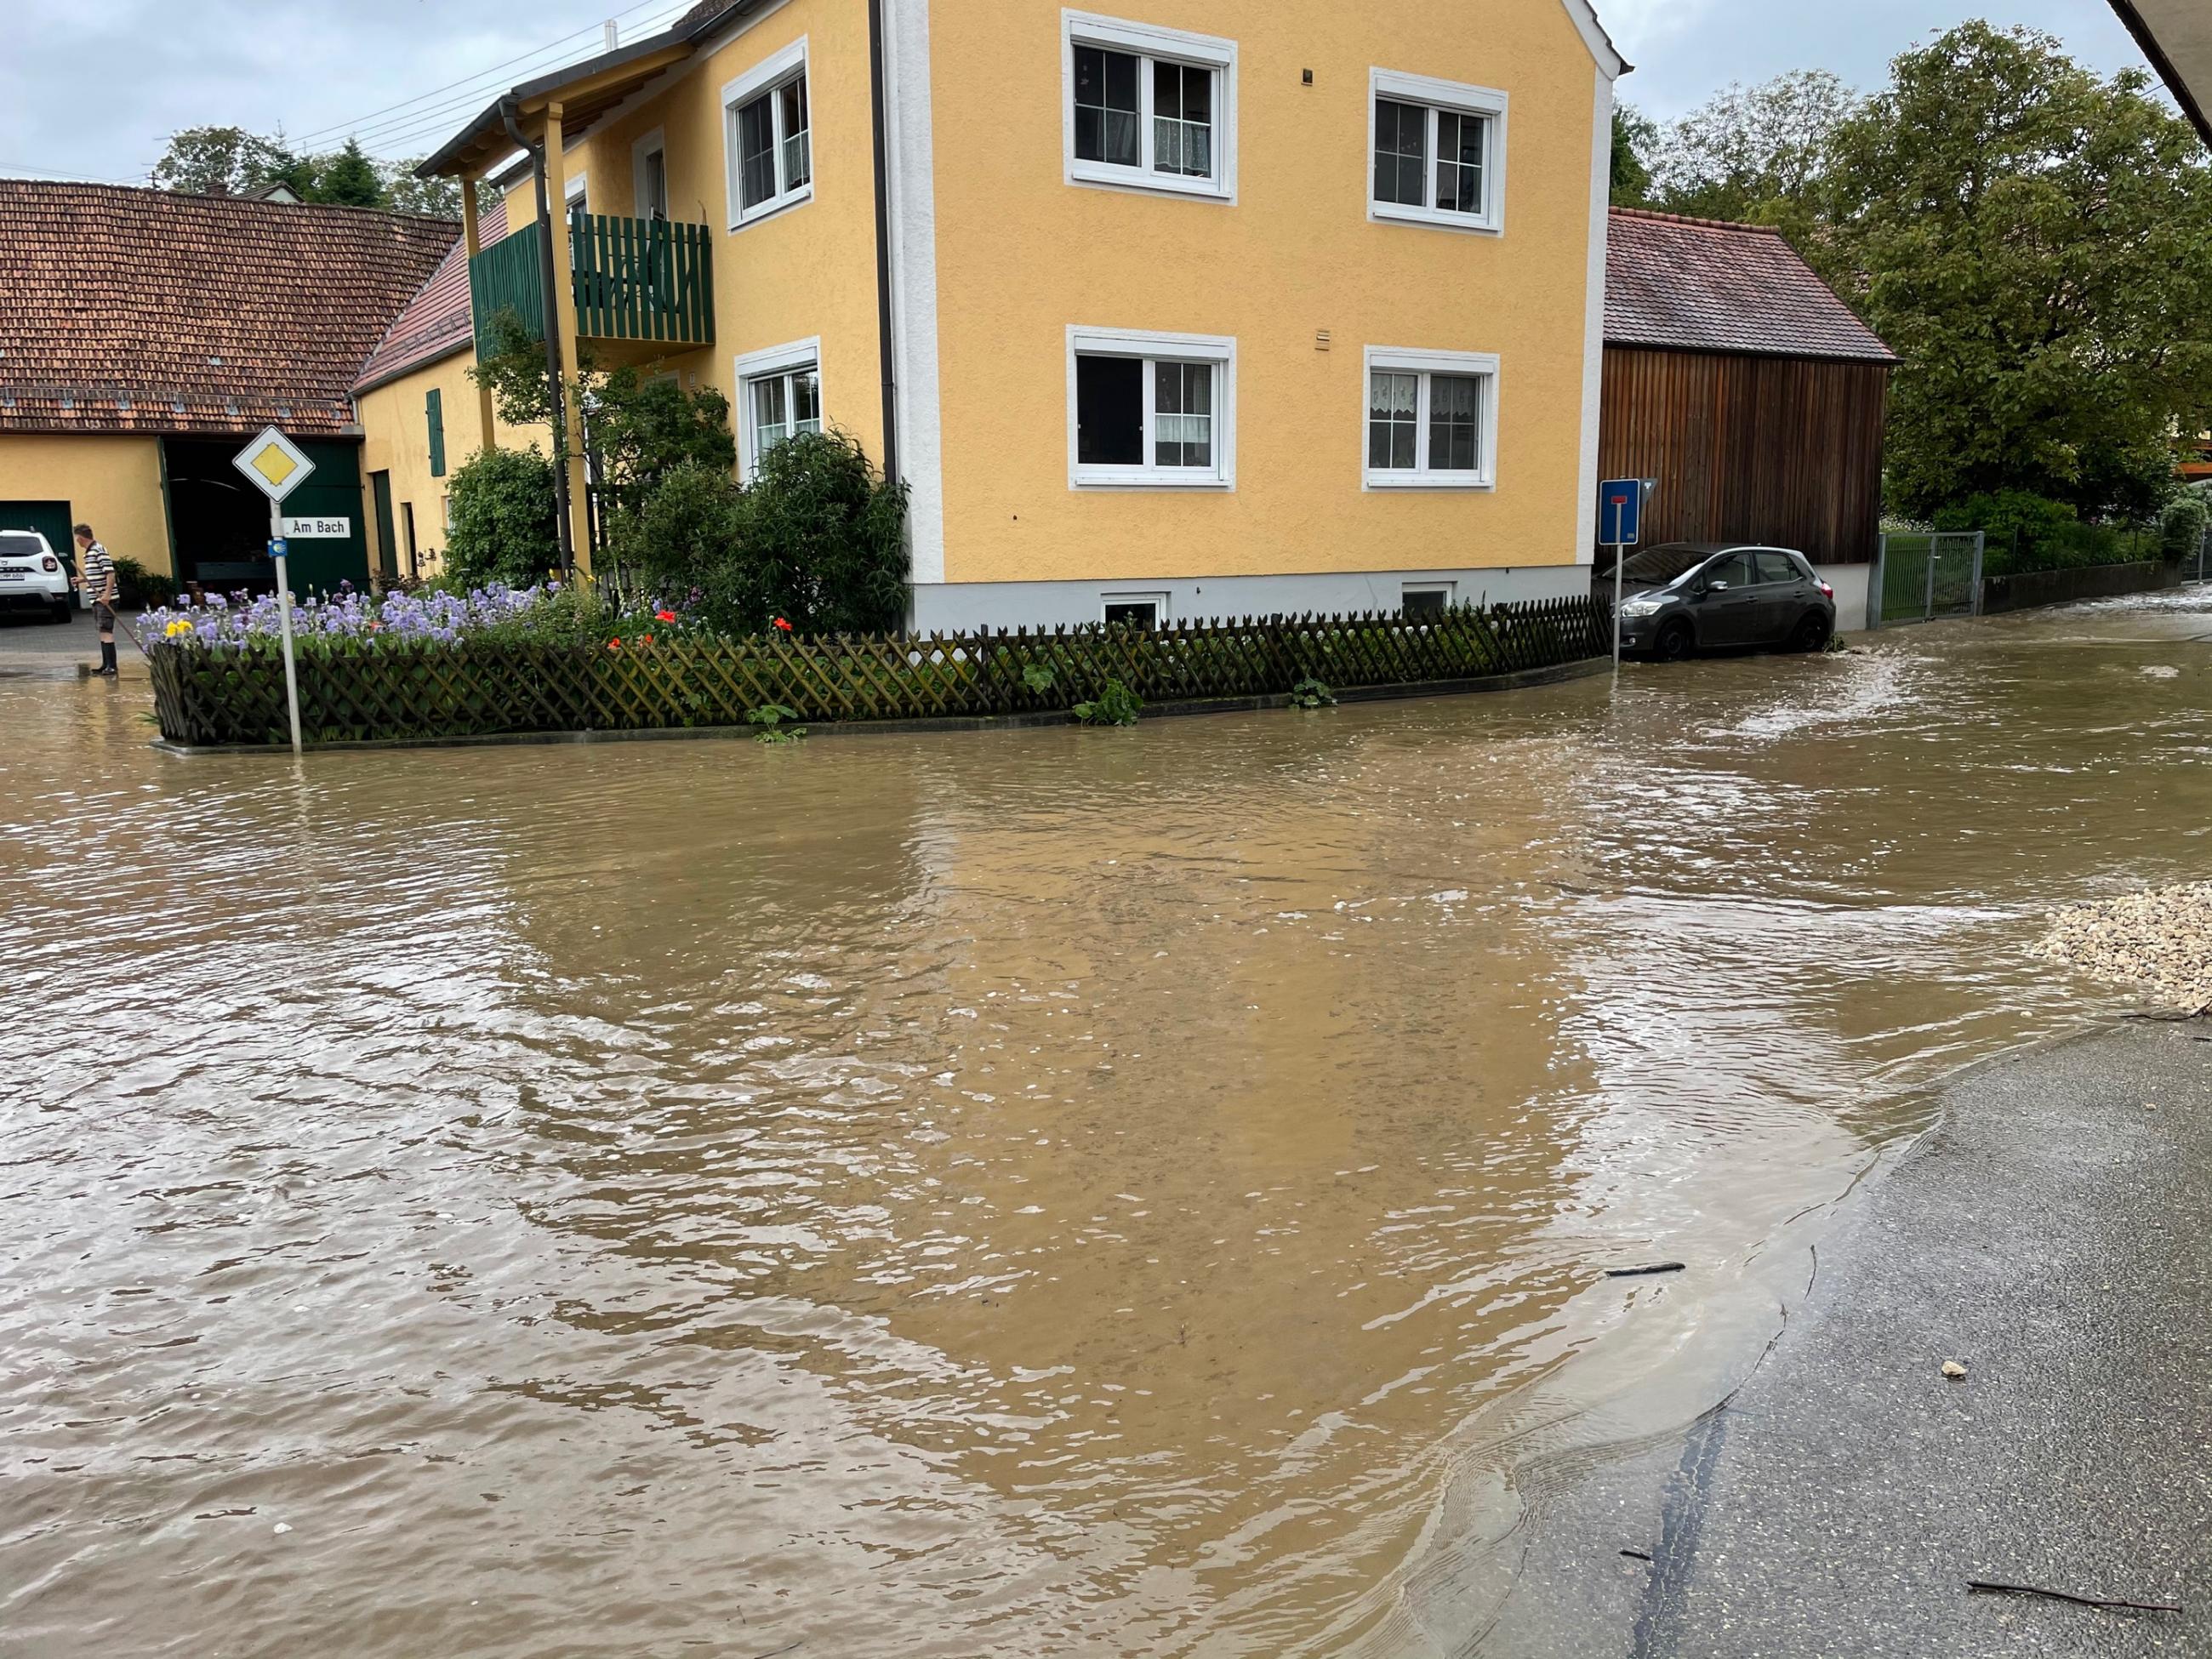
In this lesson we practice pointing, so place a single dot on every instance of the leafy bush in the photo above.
(504, 526)
(1311, 693)
(137, 587)
(771, 718)
(821, 542)
(2182, 527)
(1116, 705)
(2006, 514)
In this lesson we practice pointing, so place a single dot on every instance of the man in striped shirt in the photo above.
(97, 575)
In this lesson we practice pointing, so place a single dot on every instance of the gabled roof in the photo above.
(1703, 285)
(437, 322)
(144, 311)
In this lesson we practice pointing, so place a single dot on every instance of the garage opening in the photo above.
(220, 522)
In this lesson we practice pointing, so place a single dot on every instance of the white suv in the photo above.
(31, 574)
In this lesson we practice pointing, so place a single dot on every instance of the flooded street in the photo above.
(1058, 1193)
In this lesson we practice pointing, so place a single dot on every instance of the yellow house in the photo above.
(1205, 307)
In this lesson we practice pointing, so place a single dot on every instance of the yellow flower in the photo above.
(179, 626)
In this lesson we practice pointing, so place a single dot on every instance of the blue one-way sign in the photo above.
(1620, 512)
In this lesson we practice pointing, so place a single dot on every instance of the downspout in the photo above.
(888, 367)
(549, 320)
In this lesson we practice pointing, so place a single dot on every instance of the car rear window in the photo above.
(14, 545)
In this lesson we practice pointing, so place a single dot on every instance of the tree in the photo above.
(1756, 154)
(222, 161)
(347, 178)
(1634, 137)
(2036, 243)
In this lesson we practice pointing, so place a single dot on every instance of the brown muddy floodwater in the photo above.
(1062, 1193)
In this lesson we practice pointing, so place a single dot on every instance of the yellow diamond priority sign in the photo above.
(274, 464)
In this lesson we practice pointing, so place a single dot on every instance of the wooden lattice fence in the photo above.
(207, 695)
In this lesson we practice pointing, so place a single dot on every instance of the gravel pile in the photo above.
(2162, 940)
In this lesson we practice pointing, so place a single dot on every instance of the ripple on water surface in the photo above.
(1066, 1193)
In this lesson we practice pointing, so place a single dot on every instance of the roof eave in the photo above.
(2168, 70)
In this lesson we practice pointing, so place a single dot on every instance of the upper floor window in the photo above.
(769, 136)
(1149, 108)
(1432, 420)
(650, 157)
(1437, 153)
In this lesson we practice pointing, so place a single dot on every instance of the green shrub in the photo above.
(2034, 519)
(772, 719)
(1311, 693)
(137, 588)
(1116, 705)
(821, 542)
(683, 539)
(504, 525)
(2182, 527)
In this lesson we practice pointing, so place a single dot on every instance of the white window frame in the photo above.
(1154, 597)
(1399, 360)
(654, 143)
(768, 364)
(1218, 349)
(766, 77)
(576, 193)
(1407, 590)
(1079, 28)
(1453, 97)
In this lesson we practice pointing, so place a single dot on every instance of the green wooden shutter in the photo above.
(435, 407)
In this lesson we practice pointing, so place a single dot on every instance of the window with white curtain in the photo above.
(769, 137)
(1436, 153)
(1149, 108)
(779, 397)
(1432, 420)
(1151, 410)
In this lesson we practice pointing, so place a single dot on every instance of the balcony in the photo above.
(648, 281)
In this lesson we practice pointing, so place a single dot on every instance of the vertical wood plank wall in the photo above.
(1785, 450)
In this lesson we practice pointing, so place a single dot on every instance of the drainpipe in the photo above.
(548, 275)
(888, 365)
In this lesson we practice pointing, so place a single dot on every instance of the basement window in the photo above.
(1437, 153)
(769, 137)
(1151, 410)
(1149, 108)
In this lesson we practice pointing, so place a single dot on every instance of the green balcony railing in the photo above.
(636, 279)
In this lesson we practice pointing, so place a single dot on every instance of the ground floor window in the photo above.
(1134, 609)
(779, 396)
(1151, 410)
(1432, 420)
(1425, 599)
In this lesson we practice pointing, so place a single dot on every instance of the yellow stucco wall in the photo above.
(1022, 255)
(396, 439)
(112, 484)
(808, 272)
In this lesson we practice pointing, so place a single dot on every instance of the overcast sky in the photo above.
(92, 88)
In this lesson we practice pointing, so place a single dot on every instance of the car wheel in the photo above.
(1812, 631)
(1674, 641)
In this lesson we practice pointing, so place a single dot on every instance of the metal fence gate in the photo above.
(1921, 576)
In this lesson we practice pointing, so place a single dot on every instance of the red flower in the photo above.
(784, 625)
(664, 615)
(644, 639)
(614, 645)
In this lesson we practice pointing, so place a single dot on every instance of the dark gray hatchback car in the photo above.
(1684, 597)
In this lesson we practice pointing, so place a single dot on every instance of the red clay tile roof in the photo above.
(1702, 285)
(144, 311)
(436, 323)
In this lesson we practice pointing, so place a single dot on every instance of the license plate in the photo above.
(14, 575)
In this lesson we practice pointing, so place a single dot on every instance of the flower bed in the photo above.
(419, 668)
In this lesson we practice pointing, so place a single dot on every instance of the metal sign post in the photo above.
(278, 468)
(1620, 520)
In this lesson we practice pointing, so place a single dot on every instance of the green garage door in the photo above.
(50, 519)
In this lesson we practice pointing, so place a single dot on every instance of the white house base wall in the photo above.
(951, 607)
(1849, 581)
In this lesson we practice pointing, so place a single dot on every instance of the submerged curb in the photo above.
(1522, 679)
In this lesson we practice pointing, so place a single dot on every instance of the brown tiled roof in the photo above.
(436, 323)
(1702, 285)
(145, 311)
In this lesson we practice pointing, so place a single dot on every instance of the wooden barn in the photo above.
(1737, 379)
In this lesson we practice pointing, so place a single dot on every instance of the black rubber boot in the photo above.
(107, 656)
